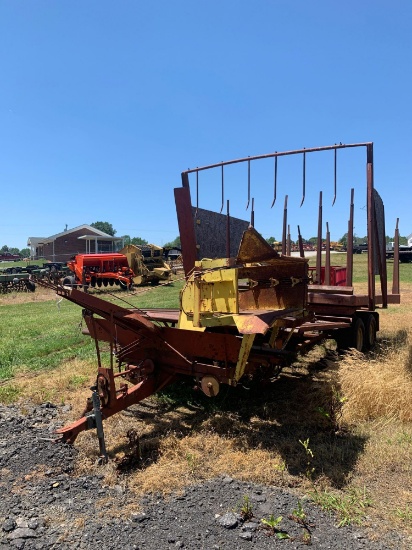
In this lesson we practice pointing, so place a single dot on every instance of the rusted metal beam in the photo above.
(288, 243)
(186, 227)
(395, 276)
(300, 241)
(371, 226)
(285, 221)
(274, 155)
(319, 241)
(349, 244)
(327, 259)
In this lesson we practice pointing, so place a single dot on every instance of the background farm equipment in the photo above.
(246, 311)
(17, 282)
(9, 257)
(97, 270)
(147, 263)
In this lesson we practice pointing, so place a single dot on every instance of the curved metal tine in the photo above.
(252, 213)
(223, 192)
(335, 178)
(197, 191)
(276, 182)
(248, 184)
(304, 179)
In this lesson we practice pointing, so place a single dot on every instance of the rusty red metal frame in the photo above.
(274, 308)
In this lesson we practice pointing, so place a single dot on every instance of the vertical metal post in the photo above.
(288, 244)
(395, 276)
(301, 250)
(319, 246)
(371, 226)
(380, 252)
(285, 221)
(349, 246)
(327, 260)
(186, 225)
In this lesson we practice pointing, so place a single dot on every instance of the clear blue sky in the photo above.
(103, 104)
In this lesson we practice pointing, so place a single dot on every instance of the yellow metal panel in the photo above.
(187, 323)
(211, 292)
(207, 263)
(247, 343)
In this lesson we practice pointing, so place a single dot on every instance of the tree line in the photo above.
(108, 228)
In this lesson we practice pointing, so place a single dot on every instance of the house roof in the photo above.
(42, 240)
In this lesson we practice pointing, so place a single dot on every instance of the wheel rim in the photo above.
(359, 338)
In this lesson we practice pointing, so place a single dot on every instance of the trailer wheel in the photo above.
(69, 281)
(353, 337)
(370, 332)
(358, 334)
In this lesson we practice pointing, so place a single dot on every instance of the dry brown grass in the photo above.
(41, 295)
(67, 384)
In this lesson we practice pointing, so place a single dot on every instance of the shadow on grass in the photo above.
(295, 413)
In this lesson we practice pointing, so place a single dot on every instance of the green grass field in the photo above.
(40, 335)
(44, 334)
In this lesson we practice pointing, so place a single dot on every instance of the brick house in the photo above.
(83, 239)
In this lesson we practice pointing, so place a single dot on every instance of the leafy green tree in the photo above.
(174, 244)
(25, 252)
(106, 227)
(4, 248)
(344, 240)
(126, 239)
(138, 241)
(271, 240)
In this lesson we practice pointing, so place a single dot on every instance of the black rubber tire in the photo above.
(370, 332)
(357, 334)
(123, 285)
(31, 287)
(69, 281)
(353, 337)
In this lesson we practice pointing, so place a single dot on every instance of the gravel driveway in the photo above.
(44, 505)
